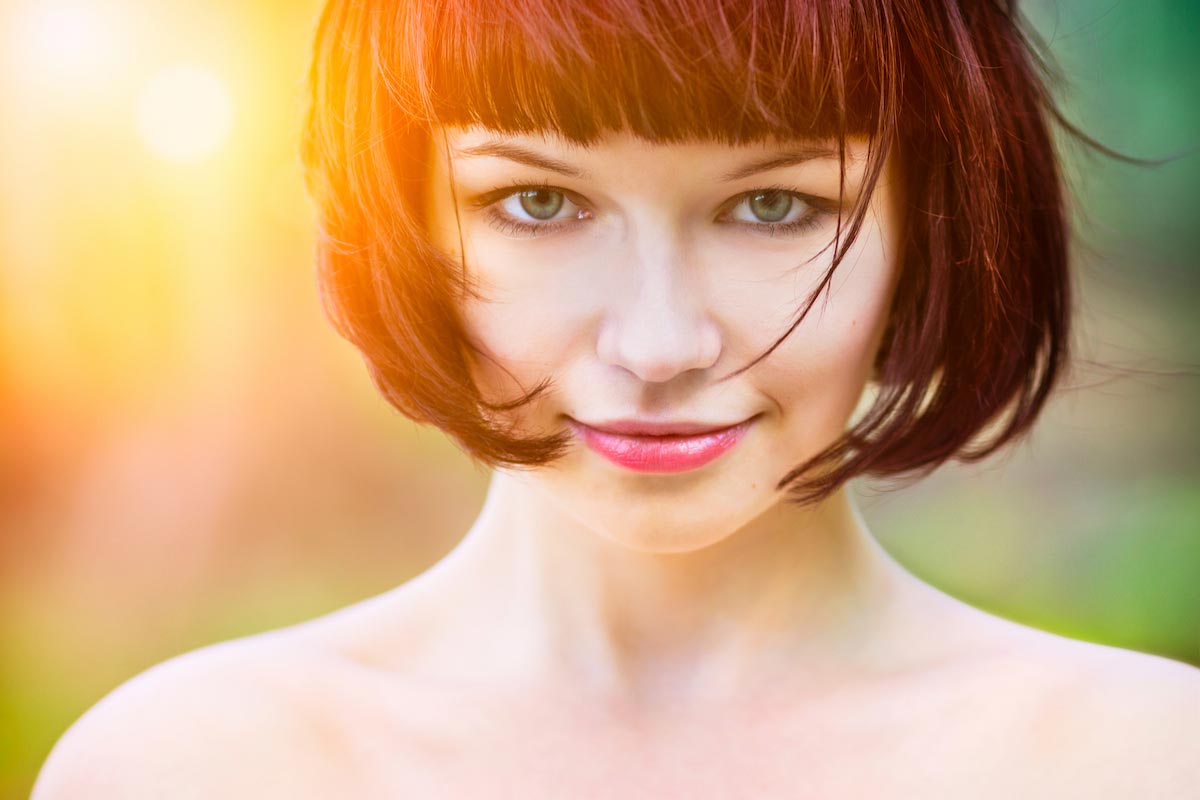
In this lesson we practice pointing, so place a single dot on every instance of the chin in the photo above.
(664, 542)
(674, 528)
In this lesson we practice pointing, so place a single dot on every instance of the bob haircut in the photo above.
(978, 330)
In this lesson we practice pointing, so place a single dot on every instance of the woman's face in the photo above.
(638, 276)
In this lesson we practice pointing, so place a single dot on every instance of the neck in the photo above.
(797, 589)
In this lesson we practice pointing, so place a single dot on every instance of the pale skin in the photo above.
(604, 633)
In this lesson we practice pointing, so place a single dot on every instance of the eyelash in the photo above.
(506, 224)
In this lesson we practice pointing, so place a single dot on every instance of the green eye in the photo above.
(771, 206)
(541, 203)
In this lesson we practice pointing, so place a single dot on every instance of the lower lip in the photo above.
(661, 453)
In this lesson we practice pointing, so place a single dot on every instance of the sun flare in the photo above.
(63, 44)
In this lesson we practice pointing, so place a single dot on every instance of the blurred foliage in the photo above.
(188, 454)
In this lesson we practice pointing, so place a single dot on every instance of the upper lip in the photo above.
(642, 427)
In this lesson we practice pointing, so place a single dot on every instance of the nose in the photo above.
(659, 325)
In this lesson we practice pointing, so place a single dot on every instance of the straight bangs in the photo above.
(664, 70)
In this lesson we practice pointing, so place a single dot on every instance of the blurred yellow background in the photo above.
(188, 453)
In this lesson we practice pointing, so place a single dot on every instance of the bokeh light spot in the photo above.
(184, 114)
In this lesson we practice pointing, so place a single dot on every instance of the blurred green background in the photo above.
(189, 454)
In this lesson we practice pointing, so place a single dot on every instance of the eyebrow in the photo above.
(530, 158)
(784, 159)
(522, 156)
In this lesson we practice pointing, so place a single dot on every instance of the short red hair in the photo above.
(978, 330)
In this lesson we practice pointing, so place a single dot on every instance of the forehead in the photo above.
(719, 160)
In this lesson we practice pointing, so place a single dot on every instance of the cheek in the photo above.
(819, 372)
(527, 326)
(541, 309)
(524, 334)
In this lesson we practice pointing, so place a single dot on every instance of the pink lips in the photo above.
(675, 453)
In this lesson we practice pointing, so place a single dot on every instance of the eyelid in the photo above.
(490, 201)
(813, 201)
(504, 192)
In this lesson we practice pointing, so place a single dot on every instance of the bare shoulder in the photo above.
(227, 720)
(1101, 719)
(1133, 719)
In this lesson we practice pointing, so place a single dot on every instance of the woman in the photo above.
(677, 270)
